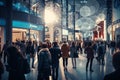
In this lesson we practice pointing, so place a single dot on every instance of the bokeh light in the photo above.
(85, 24)
(85, 11)
(50, 16)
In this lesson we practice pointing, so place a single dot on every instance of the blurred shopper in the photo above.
(23, 47)
(116, 63)
(79, 48)
(4, 50)
(90, 55)
(65, 54)
(73, 54)
(55, 54)
(112, 46)
(44, 63)
(33, 51)
(94, 46)
(101, 53)
(28, 50)
(39, 47)
(15, 64)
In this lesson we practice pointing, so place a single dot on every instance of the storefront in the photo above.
(24, 31)
(23, 34)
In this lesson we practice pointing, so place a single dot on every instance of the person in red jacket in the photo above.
(65, 54)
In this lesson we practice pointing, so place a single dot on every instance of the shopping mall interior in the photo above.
(62, 20)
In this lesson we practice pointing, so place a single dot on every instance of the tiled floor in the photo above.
(80, 72)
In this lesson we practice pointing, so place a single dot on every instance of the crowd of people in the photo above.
(16, 57)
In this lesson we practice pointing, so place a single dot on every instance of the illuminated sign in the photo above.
(26, 25)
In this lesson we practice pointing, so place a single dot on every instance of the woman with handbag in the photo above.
(73, 54)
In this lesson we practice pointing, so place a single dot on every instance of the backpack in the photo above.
(46, 63)
(46, 60)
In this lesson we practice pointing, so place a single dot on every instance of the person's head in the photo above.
(23, 41)
(44, 45)
(55, 44)
(116, 60)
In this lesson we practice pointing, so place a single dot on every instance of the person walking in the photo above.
(79, 47)
(90, 55)
(44, 63)
(55, 54)
(101, 53)
(65, 54)
(73, 54)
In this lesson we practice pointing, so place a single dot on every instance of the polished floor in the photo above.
(80, 72)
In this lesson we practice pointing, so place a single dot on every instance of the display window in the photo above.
(25, 34)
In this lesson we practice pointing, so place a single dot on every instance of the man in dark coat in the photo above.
(55, 54)
(44, 63)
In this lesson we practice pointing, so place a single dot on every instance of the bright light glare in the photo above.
(50, 16)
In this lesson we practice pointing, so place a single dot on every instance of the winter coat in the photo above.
(90, 52)
(44, 62)
(65, 50)
(55, 54)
